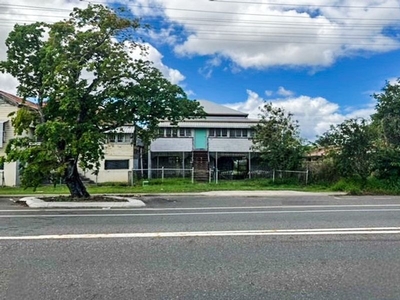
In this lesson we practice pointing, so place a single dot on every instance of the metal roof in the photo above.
(14, 100)
(212, 108)
(200, 124)
(123, 129)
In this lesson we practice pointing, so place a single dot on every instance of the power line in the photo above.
(29, 7)
(313, 42)
(198, 11)
(306, 5)
(240, 13)
(280, 34)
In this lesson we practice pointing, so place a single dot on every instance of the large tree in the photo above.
(81, 73)
(351, 144)
(386, 121)
(277, 138)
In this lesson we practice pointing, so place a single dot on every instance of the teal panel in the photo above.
(200, 139)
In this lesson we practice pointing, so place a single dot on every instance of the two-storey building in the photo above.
(222, 140)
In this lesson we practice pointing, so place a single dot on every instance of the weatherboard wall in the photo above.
(7, 133)
(229, 145)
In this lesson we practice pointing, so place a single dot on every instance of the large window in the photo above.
(171, 132)
(174, 132)
(218, 132)
(185, 132)
(116, 164)
(238, 133)
(119, 138)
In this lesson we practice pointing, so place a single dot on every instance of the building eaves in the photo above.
(17, 101)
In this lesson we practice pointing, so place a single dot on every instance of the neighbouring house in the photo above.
(119, 157)
(9, 172)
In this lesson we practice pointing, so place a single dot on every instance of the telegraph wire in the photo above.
(306, 5)
(239, 13)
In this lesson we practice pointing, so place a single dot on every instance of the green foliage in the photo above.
(86, 84)
(351, 145)
(386, 120)
(387, 163)
(276, 136)
(349, 185)
(387, 116)
(323, 171)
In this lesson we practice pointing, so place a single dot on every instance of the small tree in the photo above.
(351, 145)
(85, 84)
(277, 138)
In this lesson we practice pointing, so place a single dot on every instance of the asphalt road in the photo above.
(319, 247)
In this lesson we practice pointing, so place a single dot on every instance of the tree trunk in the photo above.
(74, 182)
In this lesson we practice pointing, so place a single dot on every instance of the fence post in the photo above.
(216, 176)
(192, 174)
(307, 177)
(209, 175)
(132, 177)
(273, 175)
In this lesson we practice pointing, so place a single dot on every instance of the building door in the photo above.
(200, 139)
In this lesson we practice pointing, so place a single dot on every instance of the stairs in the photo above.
(200, 165)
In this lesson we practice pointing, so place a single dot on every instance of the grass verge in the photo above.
(170, 186)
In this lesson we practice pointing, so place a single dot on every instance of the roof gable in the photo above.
(213, 109)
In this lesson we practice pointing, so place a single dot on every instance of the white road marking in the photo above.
(202, 208)
(202, 213)
(276, 232)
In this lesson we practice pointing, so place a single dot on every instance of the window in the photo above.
(238, 133)
(119, 138)
(116, 164)
(160, 132)
(185, 132)
(171, 132)
(251, 133)
(218, 132)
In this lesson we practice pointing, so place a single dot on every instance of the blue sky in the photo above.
(319, 59)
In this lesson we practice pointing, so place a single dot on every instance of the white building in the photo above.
(221, 140)
(9, 174)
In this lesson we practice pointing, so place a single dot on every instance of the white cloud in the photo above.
(283, 92)
(26, 12)
(29, 11)
(254, 35)
(315, 115)
(8, 83)
(156, 57)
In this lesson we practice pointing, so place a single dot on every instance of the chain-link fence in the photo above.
(215, 175)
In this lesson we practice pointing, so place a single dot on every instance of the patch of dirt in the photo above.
(157, 200)
(97, 198)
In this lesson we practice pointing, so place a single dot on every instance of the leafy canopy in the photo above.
(277, 138)
(351, 146)
(86, 82)
(386, 121)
